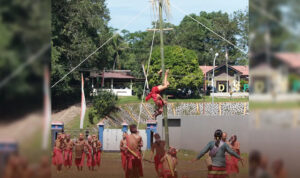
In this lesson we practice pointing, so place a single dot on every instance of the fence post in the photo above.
(56, 128)
(220, 109)
(7, 147)
(151, 128)
(100, 131)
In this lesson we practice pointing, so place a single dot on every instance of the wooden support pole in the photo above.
(165, 109)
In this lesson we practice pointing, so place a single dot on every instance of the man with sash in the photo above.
(169, 162)
(80, 147)
(134, 144)
(90, 162)
(97, 146)
(159, 147)
(57, 156)
(123, 149)
(68, 151)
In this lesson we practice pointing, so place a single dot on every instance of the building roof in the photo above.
(205, 69)
(244, 70)
(117, 74)
(291, 59)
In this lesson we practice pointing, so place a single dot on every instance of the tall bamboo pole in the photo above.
(165, 112)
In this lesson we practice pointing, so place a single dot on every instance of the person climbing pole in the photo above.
(157, 98)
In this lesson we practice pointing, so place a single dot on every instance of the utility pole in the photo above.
(165, 112)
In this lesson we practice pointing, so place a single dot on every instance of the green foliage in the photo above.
(24, 30)
(183, 65)
(194, 36)
(104, 103)
(138, 89)
(78, 28)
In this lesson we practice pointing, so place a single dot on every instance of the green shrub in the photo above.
(103, 104)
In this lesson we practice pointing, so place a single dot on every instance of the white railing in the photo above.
(118, 92)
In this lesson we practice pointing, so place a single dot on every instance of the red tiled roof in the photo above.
(205, 69)
(243, 69)
(292, 59)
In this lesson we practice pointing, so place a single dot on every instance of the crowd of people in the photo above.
(222, 160)
(64, 148)
(223, 156)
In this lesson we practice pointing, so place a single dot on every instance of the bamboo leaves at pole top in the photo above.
(165, 5)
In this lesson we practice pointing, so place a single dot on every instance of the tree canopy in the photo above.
(183, 65)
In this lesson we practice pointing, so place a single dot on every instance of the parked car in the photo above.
(180, 93)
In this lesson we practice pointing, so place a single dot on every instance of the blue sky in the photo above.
(122, 11)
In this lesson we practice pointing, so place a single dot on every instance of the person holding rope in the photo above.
(169, 162)
(217, 150)
(157, 98)
(159, 147)
(134, 143)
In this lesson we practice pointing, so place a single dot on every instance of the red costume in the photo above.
(57, 158)
(217, 172)
(232, 164)
(134, 164)
(168, 174)
(153, 94)
(80, 161)
(68, 157)
(123, 158)
(157, 162)
(97, 157)
(89, 158)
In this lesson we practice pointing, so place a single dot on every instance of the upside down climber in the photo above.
(157, 98)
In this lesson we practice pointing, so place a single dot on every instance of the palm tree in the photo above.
(119, 47)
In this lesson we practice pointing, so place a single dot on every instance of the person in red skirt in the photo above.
(123, 150)
(169, 163)
(217, 150)
(157, 98)
(80, 152)
(57, 156)
(97, 146)
(159, 147)
(233, 168)
(68, 151)
(90, 162)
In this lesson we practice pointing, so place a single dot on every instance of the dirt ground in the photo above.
(111, 168)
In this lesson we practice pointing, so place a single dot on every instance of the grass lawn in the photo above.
(273, 105)
(134, 99)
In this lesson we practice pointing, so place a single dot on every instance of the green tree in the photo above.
(103, 104)
(78, 28)
(193, 36)
(183, 65)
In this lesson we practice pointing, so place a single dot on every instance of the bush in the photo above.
(103, 104)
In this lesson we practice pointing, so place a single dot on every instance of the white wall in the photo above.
(112, 138)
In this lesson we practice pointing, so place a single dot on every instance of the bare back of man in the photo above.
(134, 143)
